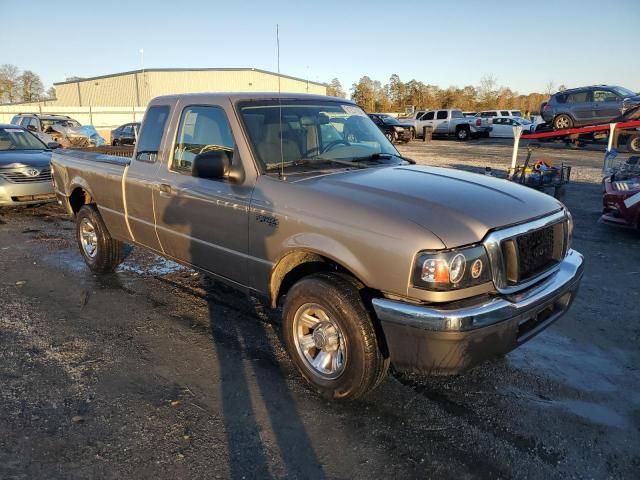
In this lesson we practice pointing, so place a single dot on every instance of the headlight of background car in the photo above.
(569, 231)
(452, 270)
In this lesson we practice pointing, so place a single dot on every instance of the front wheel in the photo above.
(390, 136)
(330, 337)
(101, 253)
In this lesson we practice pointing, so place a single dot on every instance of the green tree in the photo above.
(397, 93)
(363, 94)
(334, 89)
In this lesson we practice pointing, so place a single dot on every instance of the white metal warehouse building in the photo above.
(111, 100)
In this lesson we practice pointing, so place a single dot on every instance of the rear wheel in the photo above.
(101, 253)
(330, 337)
(562, 122)
(633, 143)
(462, 134)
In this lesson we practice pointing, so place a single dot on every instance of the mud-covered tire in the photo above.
(364, 365)
(91, 230)
(633, 143)
(562, 122)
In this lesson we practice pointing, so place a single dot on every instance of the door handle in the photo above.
(165, 189)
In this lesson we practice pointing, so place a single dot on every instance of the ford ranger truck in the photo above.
(301, 200)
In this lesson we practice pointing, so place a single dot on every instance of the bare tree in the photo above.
(488, 91)
(550, 88)
(31, 88)
(51, 93)
(9, 83)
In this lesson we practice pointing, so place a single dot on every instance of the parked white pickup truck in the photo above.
(453, 122)
(413, 120)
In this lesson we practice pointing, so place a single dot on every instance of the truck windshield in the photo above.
(18, 139)
(312, 132)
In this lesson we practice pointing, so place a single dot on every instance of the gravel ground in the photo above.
(155, 372)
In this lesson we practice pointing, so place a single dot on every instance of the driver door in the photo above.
(203, 222)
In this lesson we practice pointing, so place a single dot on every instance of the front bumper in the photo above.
(14, 194)
(452, 338)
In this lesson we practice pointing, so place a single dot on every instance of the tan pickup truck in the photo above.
(301, 199)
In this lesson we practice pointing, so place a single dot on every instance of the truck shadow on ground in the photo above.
(261, 417)
(265, 434)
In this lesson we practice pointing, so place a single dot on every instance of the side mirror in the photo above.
(53, 145)
(214, 165)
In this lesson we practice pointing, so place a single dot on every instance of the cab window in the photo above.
(428, 116)
(442, 115)
(202, 129)
(151, 134)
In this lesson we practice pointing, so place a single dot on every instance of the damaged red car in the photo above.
(621, 197)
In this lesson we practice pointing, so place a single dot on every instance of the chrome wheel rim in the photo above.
(634, 145)
(562, 122)
(319, 342)
(88, 238)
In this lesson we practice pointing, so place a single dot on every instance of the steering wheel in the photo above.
(330, 145)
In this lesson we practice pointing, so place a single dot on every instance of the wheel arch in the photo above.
(300, 263)
(80, 195)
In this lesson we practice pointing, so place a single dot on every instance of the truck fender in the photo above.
(308, 254)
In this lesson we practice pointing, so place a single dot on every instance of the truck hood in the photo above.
(456, 206)
(24, 158)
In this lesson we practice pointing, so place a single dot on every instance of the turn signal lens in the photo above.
(435, 270)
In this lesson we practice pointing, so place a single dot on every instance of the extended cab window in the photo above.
(442, 115)
(202, 129)
(151, 134)
(457, 114)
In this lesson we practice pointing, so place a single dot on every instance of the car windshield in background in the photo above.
(390, 120)
(47, 122)
(624, 92)
(313, 133)
(18, 139)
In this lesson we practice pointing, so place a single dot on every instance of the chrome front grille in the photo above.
(27, 175)
(524, 254)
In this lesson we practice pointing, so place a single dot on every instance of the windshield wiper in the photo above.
(317, 160)
(379, 156)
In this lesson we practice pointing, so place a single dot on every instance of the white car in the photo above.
(503, 126)
(498, 113)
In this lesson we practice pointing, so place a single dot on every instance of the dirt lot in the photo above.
(154, 372)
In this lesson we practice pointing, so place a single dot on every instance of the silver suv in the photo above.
(587, 105)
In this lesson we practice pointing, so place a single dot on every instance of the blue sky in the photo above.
(524, 44)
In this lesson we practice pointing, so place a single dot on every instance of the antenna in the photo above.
(280, 103)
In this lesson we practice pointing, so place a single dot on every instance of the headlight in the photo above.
(398, 129)
(452, 270)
